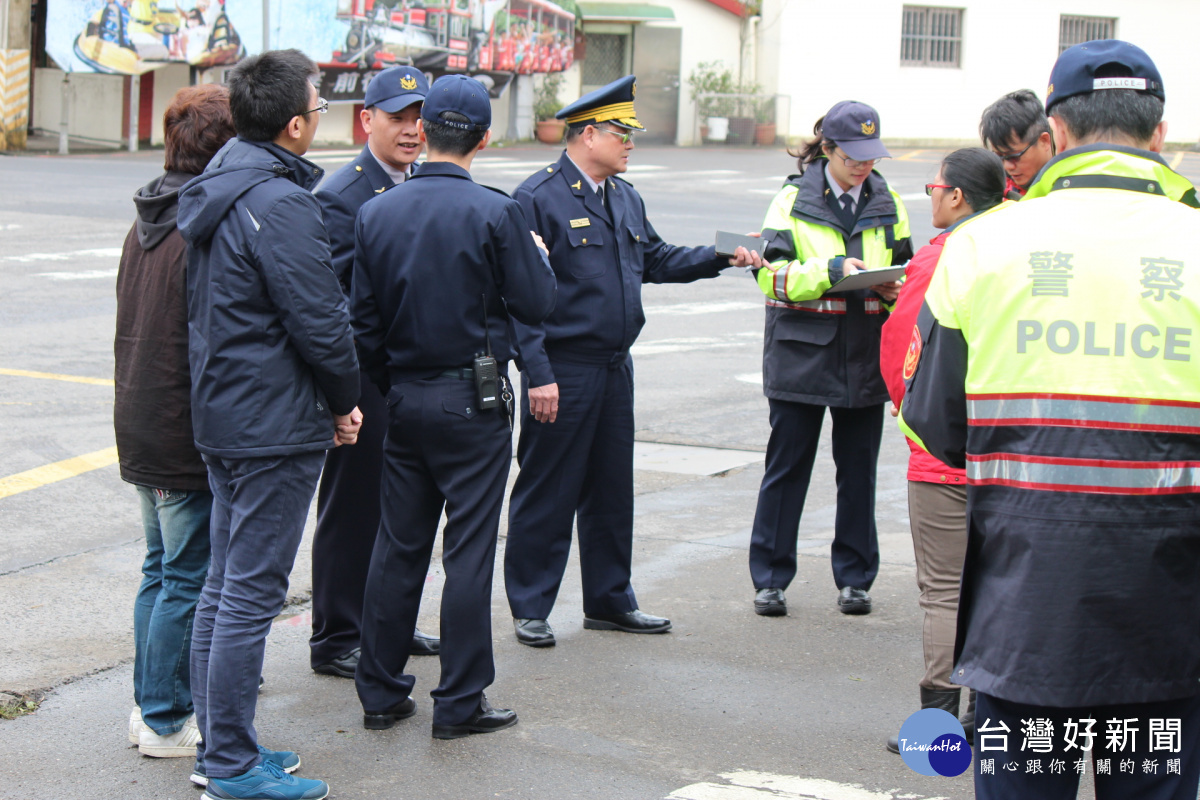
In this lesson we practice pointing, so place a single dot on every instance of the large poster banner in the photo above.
(130, 37)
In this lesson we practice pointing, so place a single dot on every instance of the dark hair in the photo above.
(978, 174)
(813, 149)
(449, 139)
(1018, 113)
(574, 132)
(267, 90)
(1110, 113)
(195, 126)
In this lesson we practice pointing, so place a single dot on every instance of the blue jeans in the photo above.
(259, 509)
(176, 525)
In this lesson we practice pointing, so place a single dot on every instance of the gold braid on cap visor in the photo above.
(618, 112)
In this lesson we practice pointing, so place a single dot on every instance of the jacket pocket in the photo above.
(460, 407)
(394, 396)
(588, 257)
(810, 328)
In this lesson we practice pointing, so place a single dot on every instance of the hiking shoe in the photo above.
(181, 744)
(267, 781)
(284, 759)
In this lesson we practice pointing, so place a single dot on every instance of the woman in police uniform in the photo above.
(822, 351)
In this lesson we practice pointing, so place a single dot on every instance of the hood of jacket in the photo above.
(157, 203)
(237, 168)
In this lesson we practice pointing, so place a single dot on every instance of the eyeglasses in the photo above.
(929, 187)
(322, 107)
(624, 137)
(852, 164)
(1015, 157)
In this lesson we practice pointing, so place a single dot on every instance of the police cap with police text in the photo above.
(396, 88)
(612, 103)
(462, 95)
(854, 127)
(1075, 71)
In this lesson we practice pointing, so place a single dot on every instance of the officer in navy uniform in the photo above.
(433, 259)
(348, 497)
(576, 444)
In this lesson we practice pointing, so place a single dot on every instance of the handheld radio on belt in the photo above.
(487, 375)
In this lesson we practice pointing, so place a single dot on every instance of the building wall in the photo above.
(95, 103)
(1005, 47)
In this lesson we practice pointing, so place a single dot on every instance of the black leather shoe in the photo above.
(425, 645)
(485, 720)
(534, 632)
(630, 622)
(382, 720)
(854, 601)
(770, 602)
(343, 666)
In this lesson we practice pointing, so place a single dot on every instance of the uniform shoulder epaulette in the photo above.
(622, 180)
(541, 176)
(341, 180)
(497, 191)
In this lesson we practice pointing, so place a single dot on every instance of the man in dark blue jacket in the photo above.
(274, 385)
(576, 447)
(439, 265)
(348, 497)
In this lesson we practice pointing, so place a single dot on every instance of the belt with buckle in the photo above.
(462, 373)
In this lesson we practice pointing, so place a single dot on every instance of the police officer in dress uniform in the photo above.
(348, 498)
(576, 445)
(433, 259)
(1054, 358)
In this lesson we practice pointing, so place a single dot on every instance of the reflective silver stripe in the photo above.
(780, 286)
(1084, 412)
(1085, 475)
(873, 306)
(823, 306)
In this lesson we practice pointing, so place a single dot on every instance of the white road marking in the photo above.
(99, 252)
(686, 343)
(330, 153)
(691, 309)
(84, 275)
(750, 377)
(766, 786)
(914, 196)
(771, 192)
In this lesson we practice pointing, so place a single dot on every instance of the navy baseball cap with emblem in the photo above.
(396, 88)
(612, 103)
(462, 95)
(1075, 71)
(854, 127)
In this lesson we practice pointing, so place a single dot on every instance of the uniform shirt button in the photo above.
(468, 410)
(585, 241)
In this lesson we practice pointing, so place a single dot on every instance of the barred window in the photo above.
(931, 37)
(605, 60)
(1077, 30)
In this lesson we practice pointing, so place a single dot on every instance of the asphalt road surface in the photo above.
(728, 706)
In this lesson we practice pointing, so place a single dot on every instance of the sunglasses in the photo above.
(322, 107)
(624, 137)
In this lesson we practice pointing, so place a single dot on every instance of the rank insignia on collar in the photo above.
(577, 185)
(381, 191)
(581, 223)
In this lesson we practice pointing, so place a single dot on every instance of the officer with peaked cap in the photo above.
(440, 265)
(348, 498)
(576, 444)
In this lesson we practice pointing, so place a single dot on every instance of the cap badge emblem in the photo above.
(868, 128)
(408, 83)
(633, 90)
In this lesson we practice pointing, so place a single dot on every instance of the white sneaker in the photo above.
(181, 744)
(136, 726)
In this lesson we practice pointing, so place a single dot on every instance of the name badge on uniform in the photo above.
(581, 223)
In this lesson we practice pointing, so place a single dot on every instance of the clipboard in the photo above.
(865, 280)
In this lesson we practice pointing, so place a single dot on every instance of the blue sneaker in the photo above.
(286, 760)
(267, 781)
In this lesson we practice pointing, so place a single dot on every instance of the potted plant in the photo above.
(764, 114)
(545, 106)
(742, 119)
(709, 78)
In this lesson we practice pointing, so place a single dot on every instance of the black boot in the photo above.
(945, 699)
(968, 719)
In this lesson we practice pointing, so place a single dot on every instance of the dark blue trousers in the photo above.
(440, 452)
(791, 452)
(578, 468)
(347, 522)
(258, 513)
(1038, 761)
